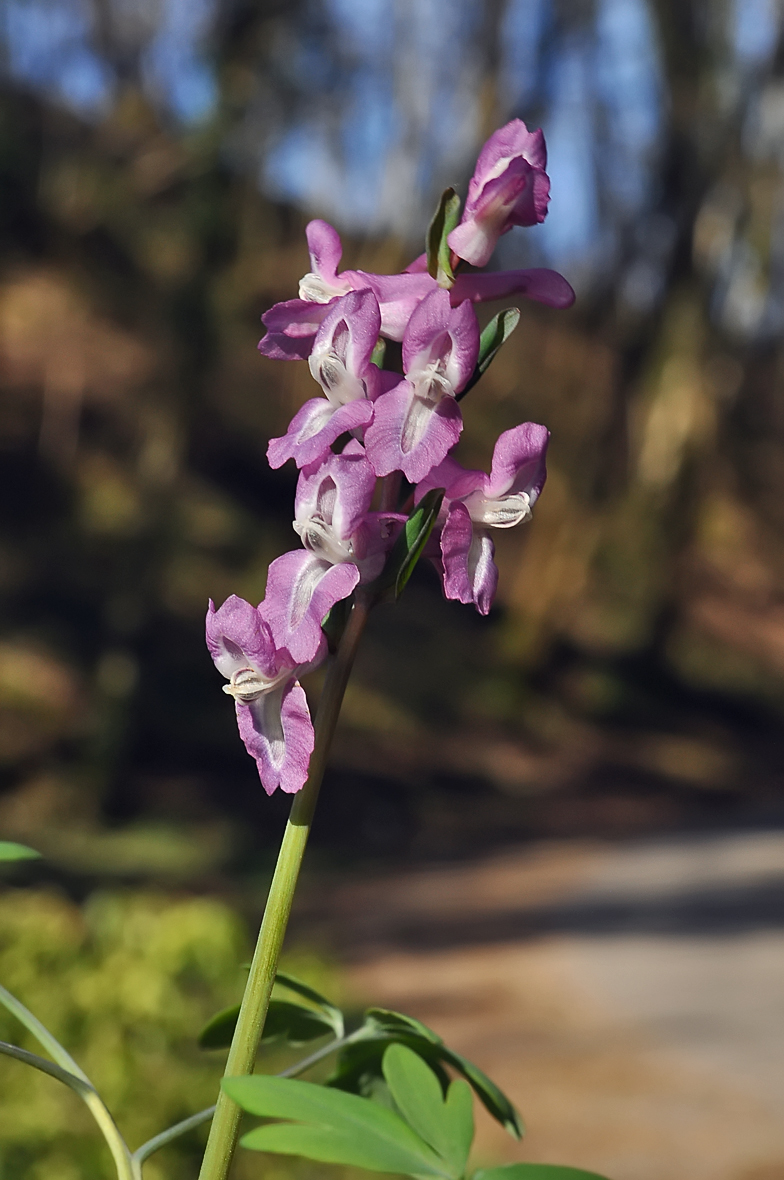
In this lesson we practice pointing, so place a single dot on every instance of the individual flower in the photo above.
(509, 187)
(344, 543)
(419, 421)
(340, 362)
(292, 325)
(475, 502)
(272, 711)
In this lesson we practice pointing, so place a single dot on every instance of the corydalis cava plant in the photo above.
(365, 425)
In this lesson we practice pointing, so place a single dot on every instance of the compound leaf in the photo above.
(331, 1126)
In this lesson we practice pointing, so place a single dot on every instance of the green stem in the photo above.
(100, 1112)
(203, 1116)
(222, 1140)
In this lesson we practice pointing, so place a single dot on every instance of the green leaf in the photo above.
(491, 1096)
(333, 1013)
(397, 1022)
(219, 1029)
(408, 548)
(360, 1063)
(284, 1019)
(445, 219)
(447, 1126)
(11, 851)
(358, 1067)
(332, 1126)
(459, 1110)
(495, 334)
(535, 1172)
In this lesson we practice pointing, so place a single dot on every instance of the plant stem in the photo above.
(390, 492)
(203, 1116)
(121, 1153)
(247, 1034)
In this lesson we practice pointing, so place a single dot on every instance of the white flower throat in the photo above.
(499, 512)
(328, 367)
(314, 289)
(248, 684)
(321, 539)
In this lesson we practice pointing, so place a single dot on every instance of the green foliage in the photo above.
(379, 352)
(333, 1014)
(123, 982)
(10, 851)
(360, 1064)
(422, 1133)
(446, 1124)
(409, 546)
(494, 335)
(445, 218)
(345, 1128)
(295, 1023)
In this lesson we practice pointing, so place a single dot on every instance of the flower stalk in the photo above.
(255, 1001)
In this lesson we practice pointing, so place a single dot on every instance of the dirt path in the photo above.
(629, 998)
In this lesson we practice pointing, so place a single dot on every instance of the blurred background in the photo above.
(594, 771)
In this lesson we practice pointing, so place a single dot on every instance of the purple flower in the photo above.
(475, 502)
(418, 422)
(292, 325)
(344, 544)
(340, 362)
(509, 187)
(272, 711)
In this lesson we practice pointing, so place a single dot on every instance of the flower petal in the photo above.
(291, 329)
(482, 571)
(301, 590)
(397, 295)
(519, 461)
(456, 537)
(339, 490)
(324, 247)
(237, 635)
(456, 480)
(539, 283)
(513, 139)
(506, 200)
(409, 434)
(314, 428)
(278, 734)
(438, 331)
(470, 573)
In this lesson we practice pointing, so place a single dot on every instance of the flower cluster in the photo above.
(393, 425)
